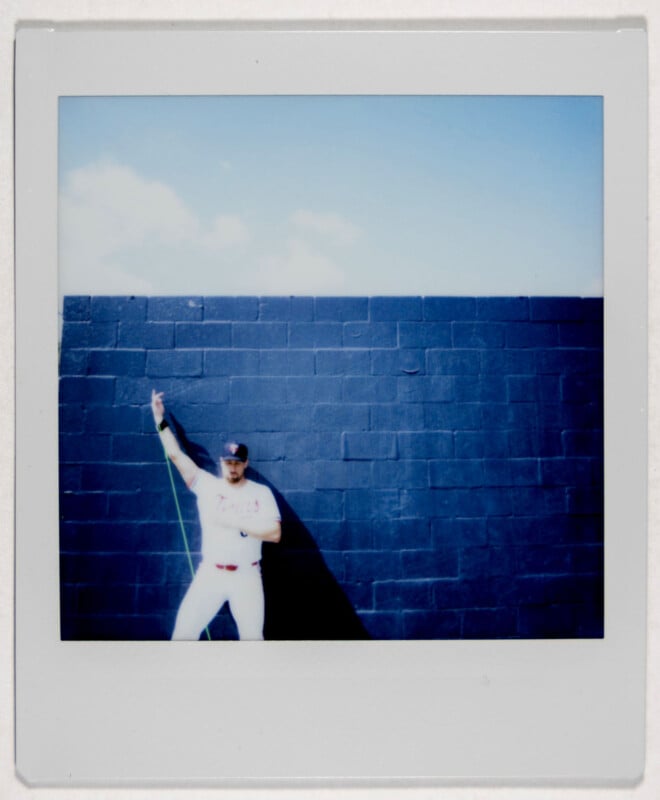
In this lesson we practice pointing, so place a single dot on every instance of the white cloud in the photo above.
(301, 270)
(110, 217)
(227, 230)
(332, 226)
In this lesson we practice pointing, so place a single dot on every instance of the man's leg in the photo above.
(204, 598)
(246, 601)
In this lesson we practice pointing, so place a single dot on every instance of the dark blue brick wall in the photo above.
(438, 461)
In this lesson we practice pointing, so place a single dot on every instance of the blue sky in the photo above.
(331, 195)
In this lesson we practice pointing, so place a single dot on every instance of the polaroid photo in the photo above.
(331, 406)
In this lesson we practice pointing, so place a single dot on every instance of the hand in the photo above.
(157, 406)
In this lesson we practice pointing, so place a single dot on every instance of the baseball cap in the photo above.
(234, 451)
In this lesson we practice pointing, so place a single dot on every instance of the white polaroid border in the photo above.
(462, 712)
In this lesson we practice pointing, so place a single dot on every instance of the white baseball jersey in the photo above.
(222, 545)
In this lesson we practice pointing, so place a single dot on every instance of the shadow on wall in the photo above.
(304, 601)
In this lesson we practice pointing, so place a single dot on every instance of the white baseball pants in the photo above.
(210, 589)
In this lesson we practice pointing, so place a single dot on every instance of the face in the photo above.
(233, 471)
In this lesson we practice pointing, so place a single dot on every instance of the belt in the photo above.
(233, 567)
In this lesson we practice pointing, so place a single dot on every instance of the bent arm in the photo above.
(184, 464)
(267, 530)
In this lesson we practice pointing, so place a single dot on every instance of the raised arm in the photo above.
(181, 461)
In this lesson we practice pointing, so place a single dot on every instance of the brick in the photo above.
(487, 500)
(286, 362)
(232, 362)
(449, 362)
(431, 625)
(424, 335)
(257, 390)
(512, 472)
(136, 447)
(436, 563)
(400, 595)
(98, 600)
(367, 446)
(503, 308)
(393, 474)
(508, 362)
(451, 416)
(397, 362)
(460, 532)
(564, 361)
(402, 533)
(530, 442)
(545, 560)
(342, 362)
(111, 309)
(122, 477)
(480, 388)
(373, 504)
(300, 309)
(325, 504)
(300, 476)
(259, 334)
(537, 334)
(160, 309)
(360, 595)
(481, 444)
(206, 335)
(449, 473)
(585, 500)
(103, 569)
(69, 477)
(181, 363)
(371, 565)
(581, 389)
(73, 362)
(449, 308)
(412, 444)
(422, 389)
(76, 308)
(429, 503)
(315, 334)
(341, 309)
(583, 443)
(538, 501)
(137, 505)
(149, 335)
(397, 417)
(313, 389)
(370, 334)
(117, 362)
(94, 390)
(276, 418)
(342, 417)
(383, 625)
(566, 472)
(83, 506)
(89, 334)
(115, 419)
(522, 388)
(231, 309)
(562, 309)
(369, 389)
(477, 335)
(584, 334)
(384, 309)
(480, 561)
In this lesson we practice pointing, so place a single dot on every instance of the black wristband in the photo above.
(162, 425)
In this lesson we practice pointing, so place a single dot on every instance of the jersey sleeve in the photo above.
(201, 482)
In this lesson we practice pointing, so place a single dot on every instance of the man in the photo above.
(236, 516)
